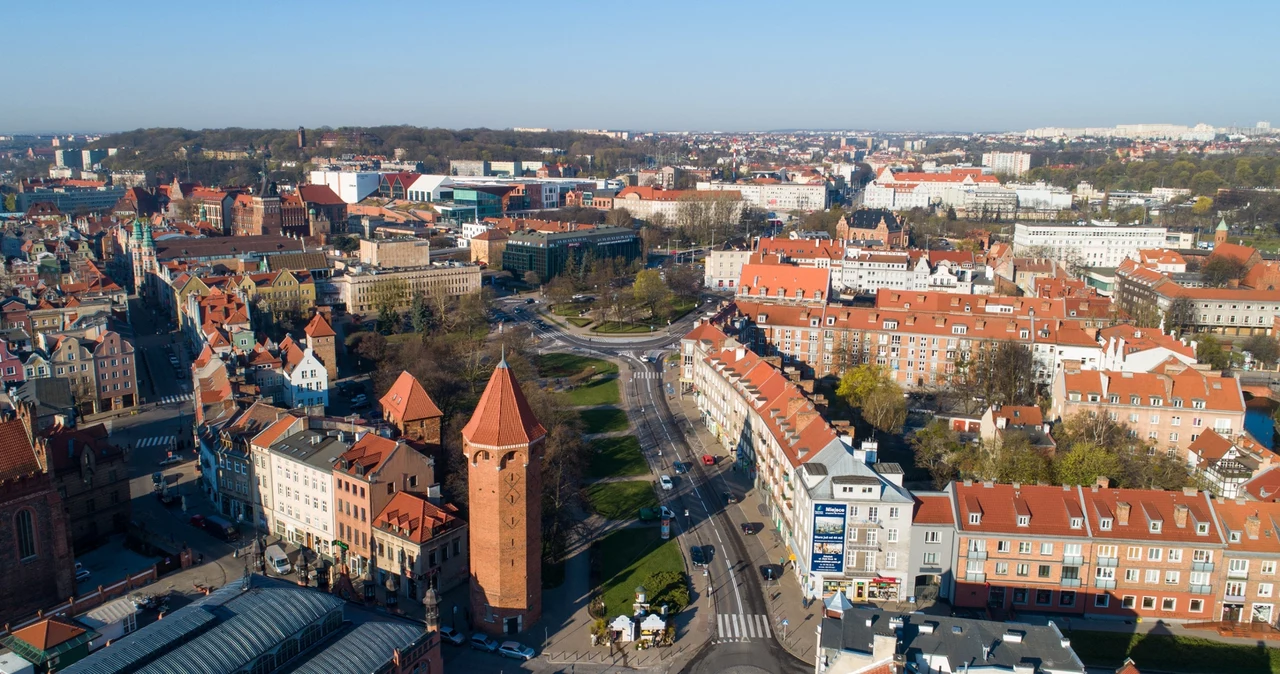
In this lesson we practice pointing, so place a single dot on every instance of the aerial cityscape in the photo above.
(733, 361)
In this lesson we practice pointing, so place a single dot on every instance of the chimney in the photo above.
(1180, 515)
(1251, 525)
(1122, 513)
(1102, 483)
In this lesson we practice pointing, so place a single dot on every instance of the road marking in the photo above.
(175, 399)
(742, 627)
(155, 441)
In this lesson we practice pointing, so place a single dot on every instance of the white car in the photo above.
(82, 574)
(450, 635)
(666, 482)
(516, 650)
(171, 460)
(481, 642)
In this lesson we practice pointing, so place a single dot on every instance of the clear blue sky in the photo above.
(745, 65)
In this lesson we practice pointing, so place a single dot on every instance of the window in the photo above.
(1105, 550)
(1128, 601)
(26, 528)
(1148, 603)
(1154, 526)
(1171, 577)
(1024, 547)
(891, 560)
(1175, 555)
(1044, 597)
(1135, 552)
(1077, 522)
(1196, 605)
(1002, 568)
(1101, 600)
(1130, 575)
(1154, 554)
(1168, 604)
(1024, 570)
(930, 558)
(975, 518)
(891, 536)
(1238, 567)
(1264, 589)
(1268, 568)
(1153, 576)
(1002, 546)
(1046, 549)
(894, 512)
(1066, 598)
(1024, 520)
(1203, 556)
(1105, 524)
(931, 537)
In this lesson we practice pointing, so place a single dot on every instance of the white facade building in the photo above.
(1097, 245)
(1042, 196)
(724, 268)
(302, 473)
(307, 382)
(776, 196)
(350, 186)
(968, 189)
(428, 187)
(1007, 163)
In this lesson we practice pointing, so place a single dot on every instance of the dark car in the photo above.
(748, 528)
(681, 468)
(697, 556)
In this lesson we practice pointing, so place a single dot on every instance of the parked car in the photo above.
(452, 636)
(171, 460)
(516, 650)
(697, 556)
(82, 574)
(681, 468)
(666, 482)
(748, 528)
(156, 478)
(196, 521)
(481, 642)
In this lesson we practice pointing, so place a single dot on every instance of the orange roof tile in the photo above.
(408, 401)
(503, 417)
(319, 327)
(49, 633)
(1050, 507)
(413, 517)
(368, 454)
(933, 509)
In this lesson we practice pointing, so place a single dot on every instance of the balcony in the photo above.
(1202, 566)
(1070, 582)
(1201, 589)
(1239, 574)
(1110, 562)
(1104, 583)
(1072, 560)
(976, 577)
(1234, 598)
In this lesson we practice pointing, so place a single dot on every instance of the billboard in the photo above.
(828, 538)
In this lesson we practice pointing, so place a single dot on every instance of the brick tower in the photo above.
(1220, 234)
(320, 339)
(503, 443)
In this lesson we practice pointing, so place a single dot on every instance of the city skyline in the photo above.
(713, 69)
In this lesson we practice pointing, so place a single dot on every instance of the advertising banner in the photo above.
(828, 538)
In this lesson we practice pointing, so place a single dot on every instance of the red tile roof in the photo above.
(49, 633)
(1234, 517)
(416, 519)
(768, 279)
(319, 327)
(1145, 507)
(1218, 393)
(408, 401)
(801, 249)
(17, 458)
(1264, 486)
(319, 194)
(368, 453)
(933, 509)
(503, 417)
(1050, 507)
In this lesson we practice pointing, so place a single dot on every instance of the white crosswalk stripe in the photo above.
(739, 627)
(157, 441)
(647, 374)
(175, 399)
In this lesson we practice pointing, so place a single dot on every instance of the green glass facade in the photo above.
(547, 253)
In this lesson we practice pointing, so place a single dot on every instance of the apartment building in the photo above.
(846, 522)
(363, 290)
(918, 347)
(933, 545)
(771, 195)
(423, 544)
(785, 284)
(1248, 591)
(1224, 464)
(1168, 408)
(1008, 163)
(724, 267)
(1097, 244)
(366, 477)
(304, 498)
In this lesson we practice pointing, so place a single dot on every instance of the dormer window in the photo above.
(1155, 526)
(1177, 402)
(831, 320)
(1235, 537)
(761, 318)
(890, 325)
(975, 518)
(1094, 397)
(1202, 528)
(1024, 520)
(1114, 399)
(959, 329)
(1077, 522)
(1197, 404)
(1105, 524)
(1157, 402)
(813, 322)
(1133, 400)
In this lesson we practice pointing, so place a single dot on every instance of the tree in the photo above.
(857, 383)
(619, 217)
(1210, 351)
(531, 278)
(10, 202)
(346, 244)
(650, 290)
(420, 313)
(1017, 460)
(933, 447)
(1265, 350)
(1180, 316)
(685, 281)
(1202, 206)
(1206, 183)
(885, 408)
(1001, 374)
(186, 210)
(560, 289)
(1219, 270)
(1097, 429)
(388, 321)
(1085, 463)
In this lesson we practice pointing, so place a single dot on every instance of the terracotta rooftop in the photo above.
(408, 401)
(414, 518)
(49, 633)
(503, 417)
(933, 509)
(319, 327)
(17, 458)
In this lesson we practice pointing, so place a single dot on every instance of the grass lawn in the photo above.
(616, 328)
(581, 322)
(679, 308)
(1169, 653)
(568, 365)
(630, 556)
(621, 500)
(598, 392)
(604, 420)
(404, 338)
(569, 309)
(616, 457)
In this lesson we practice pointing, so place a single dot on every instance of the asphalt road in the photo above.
(742, 634)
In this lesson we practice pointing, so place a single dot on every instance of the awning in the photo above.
(885, 581)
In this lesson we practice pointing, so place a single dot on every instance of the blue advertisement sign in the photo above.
(828, 538)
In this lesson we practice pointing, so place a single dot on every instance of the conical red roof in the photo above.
(503, 417)
(319, 327)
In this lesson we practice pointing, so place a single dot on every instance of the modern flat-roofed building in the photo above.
(547, 252)
(364, 290)
(1097, 244)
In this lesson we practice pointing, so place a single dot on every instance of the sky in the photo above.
(696, 65)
